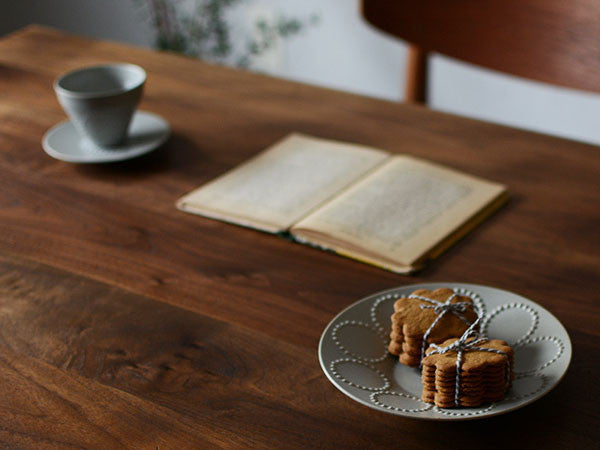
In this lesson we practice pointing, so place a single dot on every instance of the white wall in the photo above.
(343, 52)
(111, 19)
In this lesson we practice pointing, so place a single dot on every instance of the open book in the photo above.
(393, 211)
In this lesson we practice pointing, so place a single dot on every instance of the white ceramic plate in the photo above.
(353, 353)
(147, 132)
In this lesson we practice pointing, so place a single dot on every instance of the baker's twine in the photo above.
(461, 345)
(441, 309)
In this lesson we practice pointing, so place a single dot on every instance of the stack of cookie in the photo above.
(484, 376)
(410, 323)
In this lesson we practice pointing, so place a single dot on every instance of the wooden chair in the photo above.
(554, 41)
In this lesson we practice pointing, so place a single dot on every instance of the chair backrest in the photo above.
(554, 41)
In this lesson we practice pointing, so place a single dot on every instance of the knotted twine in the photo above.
(461, 345)
(441, 309)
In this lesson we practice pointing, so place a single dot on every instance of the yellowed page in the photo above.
(284, 183)
(399, 212)
(325, 242)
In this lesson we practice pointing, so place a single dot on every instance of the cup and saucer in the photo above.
(104, 125)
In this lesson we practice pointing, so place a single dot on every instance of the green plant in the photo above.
(200, 28)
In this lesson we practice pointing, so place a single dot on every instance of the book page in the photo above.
(284, 183)
(400, 211)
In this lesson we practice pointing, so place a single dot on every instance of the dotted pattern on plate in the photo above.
(370, 363)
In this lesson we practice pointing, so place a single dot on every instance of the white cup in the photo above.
(100, 100)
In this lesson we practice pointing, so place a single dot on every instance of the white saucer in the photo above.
(147, 132)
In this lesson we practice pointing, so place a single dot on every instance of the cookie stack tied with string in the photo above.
(467, 371)
(426, 317)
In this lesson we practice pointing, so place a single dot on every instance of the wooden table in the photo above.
(124, 322)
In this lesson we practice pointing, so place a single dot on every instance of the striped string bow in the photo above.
(441, 309)
(469, 341)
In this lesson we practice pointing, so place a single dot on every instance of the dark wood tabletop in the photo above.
(125, 322)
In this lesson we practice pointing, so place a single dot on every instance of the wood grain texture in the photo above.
(109, 289)
(44, 407)
(546, 40)
(196, 370)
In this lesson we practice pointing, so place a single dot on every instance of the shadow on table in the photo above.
(178, 154)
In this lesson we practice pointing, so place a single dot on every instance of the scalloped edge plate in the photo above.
(400, 381)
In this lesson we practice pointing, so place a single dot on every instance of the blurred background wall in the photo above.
(341, 51)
